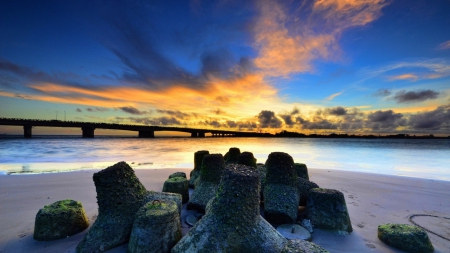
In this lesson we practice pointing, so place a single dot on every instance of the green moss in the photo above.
(176, 179)
(177, 174)
(63, 206)
(405, 237)
(301, 246)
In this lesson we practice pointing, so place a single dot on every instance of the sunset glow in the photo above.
(314, 66)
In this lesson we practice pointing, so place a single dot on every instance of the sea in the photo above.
(420, 158)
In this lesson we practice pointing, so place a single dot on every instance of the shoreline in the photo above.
(372, 199)
(93, 170)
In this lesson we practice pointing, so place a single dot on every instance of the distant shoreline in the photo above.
(283, 134)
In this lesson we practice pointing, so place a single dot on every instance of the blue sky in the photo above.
(343, 66)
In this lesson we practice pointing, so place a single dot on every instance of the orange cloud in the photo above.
(411, 77)
(284, 50)
(346, 13)
(244, 96)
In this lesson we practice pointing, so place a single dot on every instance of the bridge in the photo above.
(88, 128)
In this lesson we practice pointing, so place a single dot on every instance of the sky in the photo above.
(313, 66)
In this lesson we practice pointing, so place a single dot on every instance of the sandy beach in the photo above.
(372, 200)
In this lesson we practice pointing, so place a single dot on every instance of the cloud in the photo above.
(96, 109)
(384, 120)
(176, 114)
(411, 77)
(382, 93)
(17, 95)
(415, 96)
(132, 110)
(289, 39)
(444, 45)
(332, 96)
(267, 119)
(319, 124)
(157, 121)
(414, 70)
(336, 111)
(242, 125)
(287, 118)
(218, 111)
(432, 120)
(295, 111)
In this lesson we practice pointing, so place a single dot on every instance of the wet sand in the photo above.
(372, 199)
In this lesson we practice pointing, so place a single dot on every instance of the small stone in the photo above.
(191, 220)
(294, 231)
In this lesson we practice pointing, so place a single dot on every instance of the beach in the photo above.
(372, 199)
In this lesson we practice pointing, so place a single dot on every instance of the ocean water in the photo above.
(411, 158)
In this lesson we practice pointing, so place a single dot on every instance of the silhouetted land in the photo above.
(285, 133)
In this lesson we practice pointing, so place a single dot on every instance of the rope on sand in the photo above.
(415, 215)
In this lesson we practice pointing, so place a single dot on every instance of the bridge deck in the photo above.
(144, 131)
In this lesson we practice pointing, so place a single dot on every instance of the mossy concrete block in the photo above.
(212, 168)
(280, 169)
(301, 246)
(326, 208)
(119, 195)
(302, 170)
(59, 220)
(304, 186)
(203, 193)
(232, 155)
(280, 203)
(177, 185)
(262, 178)
(233, 223)
(156, 228)
(177, 174)
(198, 160)
(176, 197)
(247, 158)
(405, 237)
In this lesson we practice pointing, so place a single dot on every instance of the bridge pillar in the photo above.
(201, 135)
(27, 131)
(193, 134)
(88, 132)
(146, 134)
